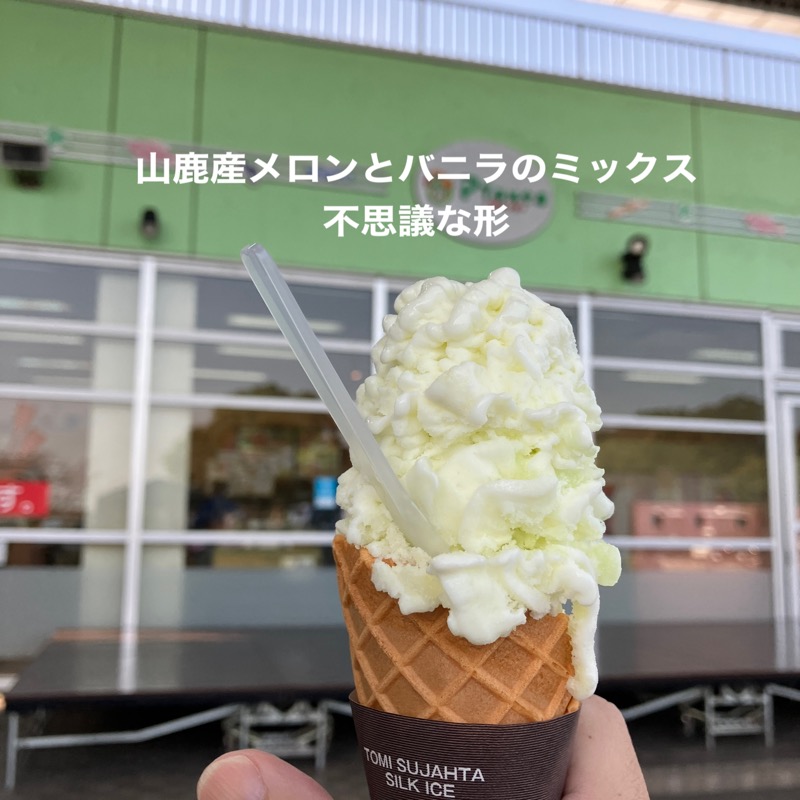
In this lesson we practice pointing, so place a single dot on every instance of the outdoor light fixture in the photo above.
(150, 227)
(632, 258)
(26, 159)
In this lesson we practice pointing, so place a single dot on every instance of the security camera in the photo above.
(633, 259)
(149, 226)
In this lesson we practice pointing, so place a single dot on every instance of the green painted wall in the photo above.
(100, 71)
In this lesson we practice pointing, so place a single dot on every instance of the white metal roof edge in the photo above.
(650, 23)
(580, 41)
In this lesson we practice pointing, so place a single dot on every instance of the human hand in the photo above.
(604, 767)
(253, 775)
(604, 764)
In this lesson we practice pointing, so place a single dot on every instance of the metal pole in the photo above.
(12, 749)
(769, 720)
(244, 727)
(321, 743)
(129, 622)
(786, 692)
(775, 476)
(711, 719)
(660, 703)
(125, 737)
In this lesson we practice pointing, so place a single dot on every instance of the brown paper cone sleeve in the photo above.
(412, 665)
(418, 758)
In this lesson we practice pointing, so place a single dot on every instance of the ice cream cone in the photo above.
(411, 664)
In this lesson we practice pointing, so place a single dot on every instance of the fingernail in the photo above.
(232, 777)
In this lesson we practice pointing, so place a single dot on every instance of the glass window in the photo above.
(791, 349)
(699, 558)
(225, 469)
(186, 302)
(45, 554)
(571, 314)
(675, 338)
(66, 360)
(63, 464)
(668, 483)
(689, 586)
(84, 592)
(236, 369)
(67, 292)
(392, 300)
(246, 586)
(236, 557)
(678, 394)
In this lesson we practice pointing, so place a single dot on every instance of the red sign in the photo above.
(24, 498)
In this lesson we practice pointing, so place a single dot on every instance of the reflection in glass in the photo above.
(66, 360)
(234, 369)
(83, 592)
(231, 557)
(676, 338)
(187, 302)
(228, 469)
(668, 483)
(67, 292)
(62, 465)
(791, 349)
(699, 558)
(689, 586)
(245, 587)
(650, 392)
(33, 554)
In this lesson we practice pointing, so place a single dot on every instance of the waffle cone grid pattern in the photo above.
(413, 665)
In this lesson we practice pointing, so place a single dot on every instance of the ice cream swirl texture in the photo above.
(479, 402)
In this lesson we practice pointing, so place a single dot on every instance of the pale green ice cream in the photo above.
(480, 404)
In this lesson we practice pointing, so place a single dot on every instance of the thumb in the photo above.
(253, 775)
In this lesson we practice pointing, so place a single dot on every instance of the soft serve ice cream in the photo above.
(480, 404)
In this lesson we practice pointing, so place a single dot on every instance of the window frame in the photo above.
(142, 400)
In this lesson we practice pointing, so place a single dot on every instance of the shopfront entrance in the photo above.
(162, 455)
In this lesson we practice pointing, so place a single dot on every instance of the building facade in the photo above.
(165, 461)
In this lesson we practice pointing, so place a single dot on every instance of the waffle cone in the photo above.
(411, 664)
